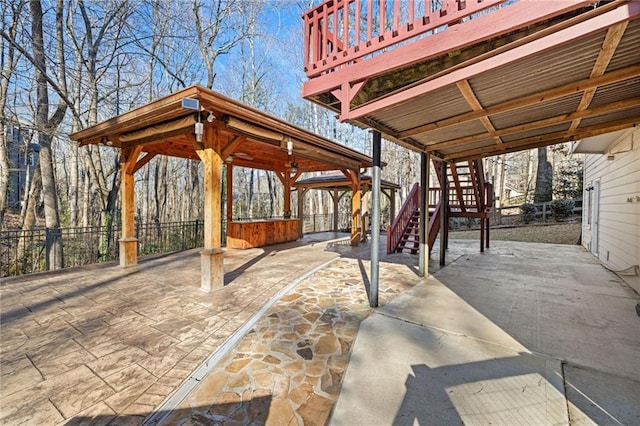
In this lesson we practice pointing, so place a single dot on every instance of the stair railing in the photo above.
(399, 226)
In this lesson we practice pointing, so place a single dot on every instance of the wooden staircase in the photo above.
(469, 196)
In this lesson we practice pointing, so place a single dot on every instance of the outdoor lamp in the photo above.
(199, 131)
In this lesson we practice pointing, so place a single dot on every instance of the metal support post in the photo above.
(375, 221)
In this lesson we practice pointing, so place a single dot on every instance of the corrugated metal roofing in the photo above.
(542, 71)
(548, 78)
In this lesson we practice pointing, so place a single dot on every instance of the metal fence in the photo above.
(512, 215)
(26, 252)
(324, 223)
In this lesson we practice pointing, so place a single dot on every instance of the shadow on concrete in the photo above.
(441, 395)
(253, 411)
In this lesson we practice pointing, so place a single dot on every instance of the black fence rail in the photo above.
(157, 238)
(22, 252)
(26, 252)
(325, 223)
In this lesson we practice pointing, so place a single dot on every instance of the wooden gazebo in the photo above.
(200, 124)
(338, 185)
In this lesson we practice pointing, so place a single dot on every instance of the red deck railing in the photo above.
(401, 222)
(342, 31)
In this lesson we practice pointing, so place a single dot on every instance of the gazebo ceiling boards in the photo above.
(484, 82)
(198, 123)
(249, 138)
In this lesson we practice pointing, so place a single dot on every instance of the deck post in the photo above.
(128, 243)
(212, 273)
(444, 209)
(375, 221)
(423, 261)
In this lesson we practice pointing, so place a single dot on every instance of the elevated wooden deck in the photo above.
(470, 79)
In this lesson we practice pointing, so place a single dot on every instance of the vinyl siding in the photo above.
(619, 224)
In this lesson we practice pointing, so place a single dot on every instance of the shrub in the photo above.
(528, 212)
(562, 208)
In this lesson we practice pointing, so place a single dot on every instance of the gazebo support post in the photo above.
(301, 194)
(128, 243)
(229, 170)
(392, 206)
(336, 200)
(356, 226)
(212, 273)
(366, 215)
(286, 183)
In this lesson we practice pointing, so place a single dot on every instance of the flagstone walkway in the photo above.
(289, 367)
(107, 345)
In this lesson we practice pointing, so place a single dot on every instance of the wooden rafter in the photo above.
(535, 98)
(232, 145)
(544, 140)
(609, 46)
(559, 119)
(474, 103)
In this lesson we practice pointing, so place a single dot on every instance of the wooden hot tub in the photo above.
(258, 233)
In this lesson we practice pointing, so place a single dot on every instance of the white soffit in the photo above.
(599, 144)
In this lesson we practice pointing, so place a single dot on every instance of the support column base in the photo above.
(128, 251)
(212, 271)
(356, 237)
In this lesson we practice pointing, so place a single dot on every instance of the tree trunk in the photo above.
(45, 129)
(544, 178)
(4, 174)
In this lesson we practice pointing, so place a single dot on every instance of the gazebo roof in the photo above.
(248, 137)
(340, 181)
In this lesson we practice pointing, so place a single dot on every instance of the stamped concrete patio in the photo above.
(291, 340)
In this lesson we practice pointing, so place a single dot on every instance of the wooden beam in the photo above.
(212, 273)
(559, 119)
(229, 201)
(542, 96)
(132, 158)
(609, 46)
(356, 212)
(474, 103)
(231, 146)
(144, 160)
(128, 243)
(544, 140)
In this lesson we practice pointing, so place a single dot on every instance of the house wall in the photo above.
(619, 214)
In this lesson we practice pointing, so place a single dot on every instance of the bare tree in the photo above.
(44, 123)
(218, 30)
(8, 59)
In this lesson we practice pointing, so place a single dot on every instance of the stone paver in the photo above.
(105, 344)
(289, 367)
